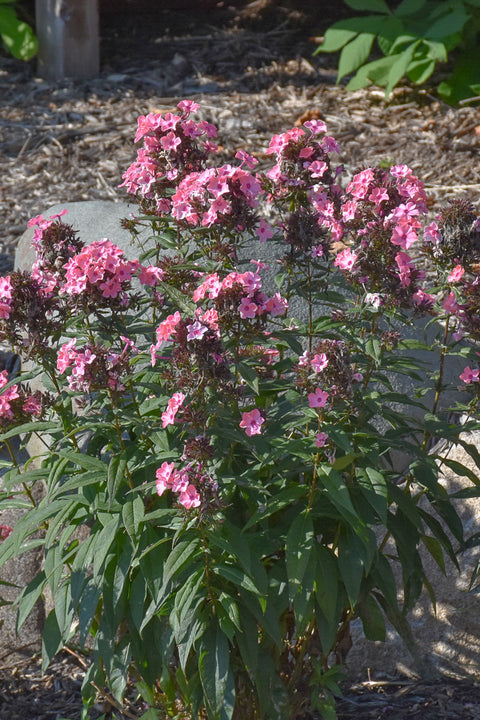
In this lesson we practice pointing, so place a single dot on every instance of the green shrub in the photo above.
(413, 38)
(17, 36)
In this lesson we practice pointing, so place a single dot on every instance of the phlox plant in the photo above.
(221, 486)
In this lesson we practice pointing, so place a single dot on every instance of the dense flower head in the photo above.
(325, 373)
(455, 237)
(94, 366)
(381, 213)
(55, 244)
(174, 145)
(18, 404)
(100, 273)
(194, 487)
(226, 195)
(30, 315)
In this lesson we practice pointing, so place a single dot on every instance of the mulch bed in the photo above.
(251, 68)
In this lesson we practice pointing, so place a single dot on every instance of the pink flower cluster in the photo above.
(253, 302)
(216, 195)
(5, 297)
(94, 367)
(174, 145)
(15, 404)
(173, 406)
(100, 267)
(178, 481)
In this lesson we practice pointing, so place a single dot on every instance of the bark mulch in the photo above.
(250, 66)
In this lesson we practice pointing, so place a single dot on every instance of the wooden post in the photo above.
(68, 38)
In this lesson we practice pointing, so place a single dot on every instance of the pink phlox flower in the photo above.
(252, 422)
(469, 375)
(404, 234)
(317, 251)
(400, 171)
(211, 318)
(110, 288)
(377, 196)
(306, 152)
(247, 308)
(259, 265)
(5, 531)
(196, 331)
(187, 107)
(329, 144)
(348, 209)
(167, 327)
(146, 124)
(44, 223)
(315, 126)
(210, 286)
(357, 377)
(209, 129)
(304, 359)
(345, 259)
(190, 498)
(66, 355)
(169, 122)
(317, 168)
(450, 304)
(422, 298)
(318, 398)
(276, 305)
(456, 274)
(173, 405)
(150, 275)
(360, 184)
(264, 230)
(321, 439)
(319, 362)
(180, 481)
(246, 159)
(405, 266)
(164, 477)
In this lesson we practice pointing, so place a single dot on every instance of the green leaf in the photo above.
(379, 6)
(326, 587)
(237, 577)
(399, 67)
(447, 25)
(28, 597)
(52, 641)
(17, 36)
(214, 668)
(350, 563)
(343, 32)
(374, 488)
(181, 555)
(372, 619)
(420, 70)
(133, 514)
(298, 551)
(250, 376)
(373, 72)
(408, 7)
(338, 494)
(435, 550)
(116, 475)
(354, 54)
(87, 462)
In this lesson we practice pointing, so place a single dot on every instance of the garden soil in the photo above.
(250, 65)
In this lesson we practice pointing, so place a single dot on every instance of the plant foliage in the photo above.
(230, 473)
(413, 38)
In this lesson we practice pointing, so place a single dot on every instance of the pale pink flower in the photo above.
(66, 355)
(319, 362)
(470, 375)
(345, 259)
(450, 304)
(247, 308)
(321, 439)
(432, 233)
(190, 498)
(264, 230)
(252, 422)
(173, 405)
(164, 477)
(315, 126)
(456, 274)
(276, 305)
(318, 398)
(196, 331)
